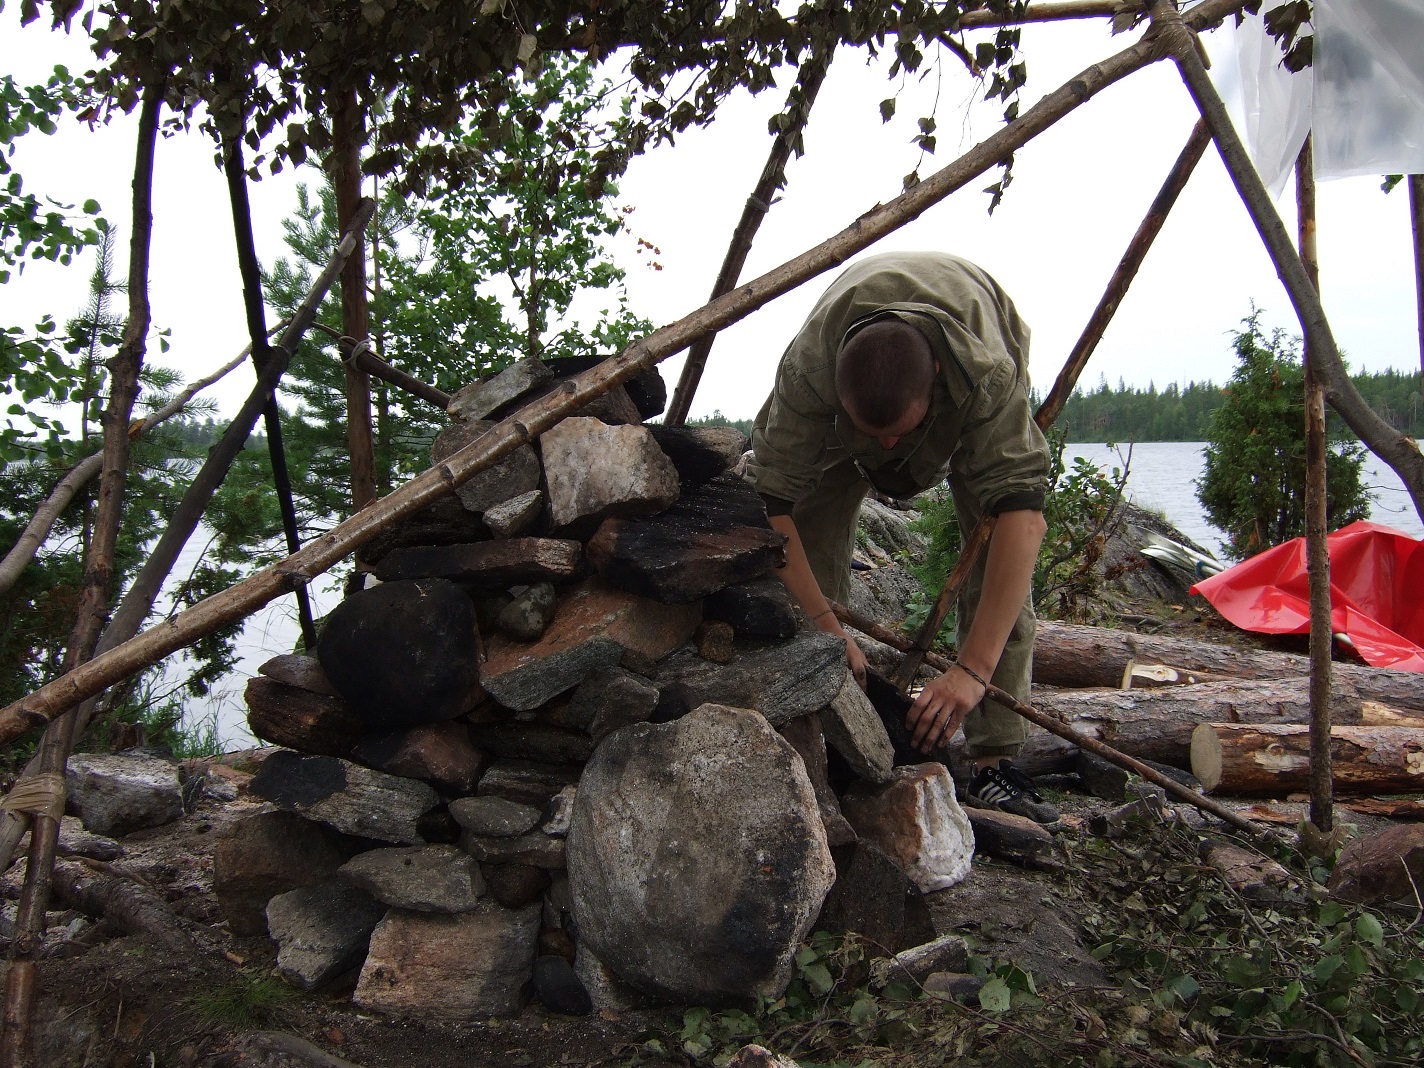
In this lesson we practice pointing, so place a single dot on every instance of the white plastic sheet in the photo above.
(1369, 87)
(1276, 104)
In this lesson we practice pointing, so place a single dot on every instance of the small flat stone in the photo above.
(528, 615)
(526, 781)
(594, 626)
(559, 813)
(303, 672)
(714, 641)
(535, 849)
(760, 608)
(516, 515)
(754, 1056)
(512, 476)
(854, 729)
(538, 742)
(481, 398)
(700, 453)
(558, 988)
(345, 796)
(487, 565)
(321, 931)
(515, 885)
(961, 986)
(440, 754)
(434, 878)
(495, 817)
(1008, 836)
(610, 698)
(948, 953)
(116, 793)
(301, 718)
(458, 968)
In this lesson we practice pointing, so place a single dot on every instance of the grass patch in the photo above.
(251, 999)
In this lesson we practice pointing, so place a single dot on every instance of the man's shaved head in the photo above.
(883, 371)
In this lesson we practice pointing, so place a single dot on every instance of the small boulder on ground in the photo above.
(429, 966)
(321, 931)
(1381, 868)
(697, 860)
(263, 855)
(874, 897)
(917, 821)
(116, 793)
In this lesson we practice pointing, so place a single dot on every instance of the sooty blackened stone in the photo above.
(558, 988)
(874, 897)
(700, 453)
(295, 781)
(647, 391)
(760, 608)
(403, 653)
(892, 706)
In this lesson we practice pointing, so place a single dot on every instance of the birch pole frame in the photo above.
(532, 420)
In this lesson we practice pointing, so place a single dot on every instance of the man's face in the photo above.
(888, 436)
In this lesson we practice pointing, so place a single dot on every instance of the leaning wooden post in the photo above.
(1052, 405)
(1399, 451)
(538, 416)
(773, 177)
(251, 272)
(58, 740)
(1317, 551)
(348, 135)
(1416, 218)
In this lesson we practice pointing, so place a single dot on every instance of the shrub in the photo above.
(1253, 486)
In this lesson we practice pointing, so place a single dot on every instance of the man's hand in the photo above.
(856, 659)
(941, 707)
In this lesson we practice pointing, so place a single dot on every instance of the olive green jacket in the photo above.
(979, 431)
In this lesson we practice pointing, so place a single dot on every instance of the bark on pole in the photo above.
(535, 418)
(1317, 553)
(251, 271)
(124, 371)
(1052, 405)
(1416, 222)
(773, 177)
(1397, 450)
(349, 135)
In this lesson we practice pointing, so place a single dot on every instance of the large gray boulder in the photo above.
(697, 860)
(115, 793)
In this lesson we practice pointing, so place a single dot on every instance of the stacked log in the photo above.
(572, 740)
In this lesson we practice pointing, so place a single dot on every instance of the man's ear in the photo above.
(936, 363)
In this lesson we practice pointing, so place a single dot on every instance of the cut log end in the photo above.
(1206, 757)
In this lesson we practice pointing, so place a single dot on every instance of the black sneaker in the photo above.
(1006, 789)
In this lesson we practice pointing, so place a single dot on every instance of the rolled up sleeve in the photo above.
(1002, 458)
(790, 438)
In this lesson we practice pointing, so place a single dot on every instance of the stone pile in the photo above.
(573, 744)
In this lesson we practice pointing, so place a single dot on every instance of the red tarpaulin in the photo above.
(1376, 593)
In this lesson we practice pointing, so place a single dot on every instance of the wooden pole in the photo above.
(538, 416)
(1067, 733)
(1397, 450)
(773, 176)
(124, 371)
(251, 272)
(1416, 218)
(349, 135)
(1052, 405)
(1317, 552)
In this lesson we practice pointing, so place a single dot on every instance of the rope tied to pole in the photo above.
(37, 795)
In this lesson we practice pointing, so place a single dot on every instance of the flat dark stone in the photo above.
(700, 453)
(873, 897)
(515, 885)
(760, 608)
(446, 522)
(558, 988)
(487, 565)
(301, 719)
(715, 535)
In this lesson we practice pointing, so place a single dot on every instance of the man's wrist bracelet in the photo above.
(972, 674)
(827, 612)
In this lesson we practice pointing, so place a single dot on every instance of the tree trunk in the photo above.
(124, 370)
(1065, 654)
(535, 418)
(1158, 724)
(1399, 451)
(773, 176)
(1248, 760)
(1416, 224)
(349, 136)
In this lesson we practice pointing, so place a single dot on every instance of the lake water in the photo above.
(1161, 475)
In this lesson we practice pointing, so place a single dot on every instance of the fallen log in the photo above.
(1065, 654)
(132, 908)
(1250, 760)
(1157, 724)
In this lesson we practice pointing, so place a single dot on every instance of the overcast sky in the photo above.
(1079, 193)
